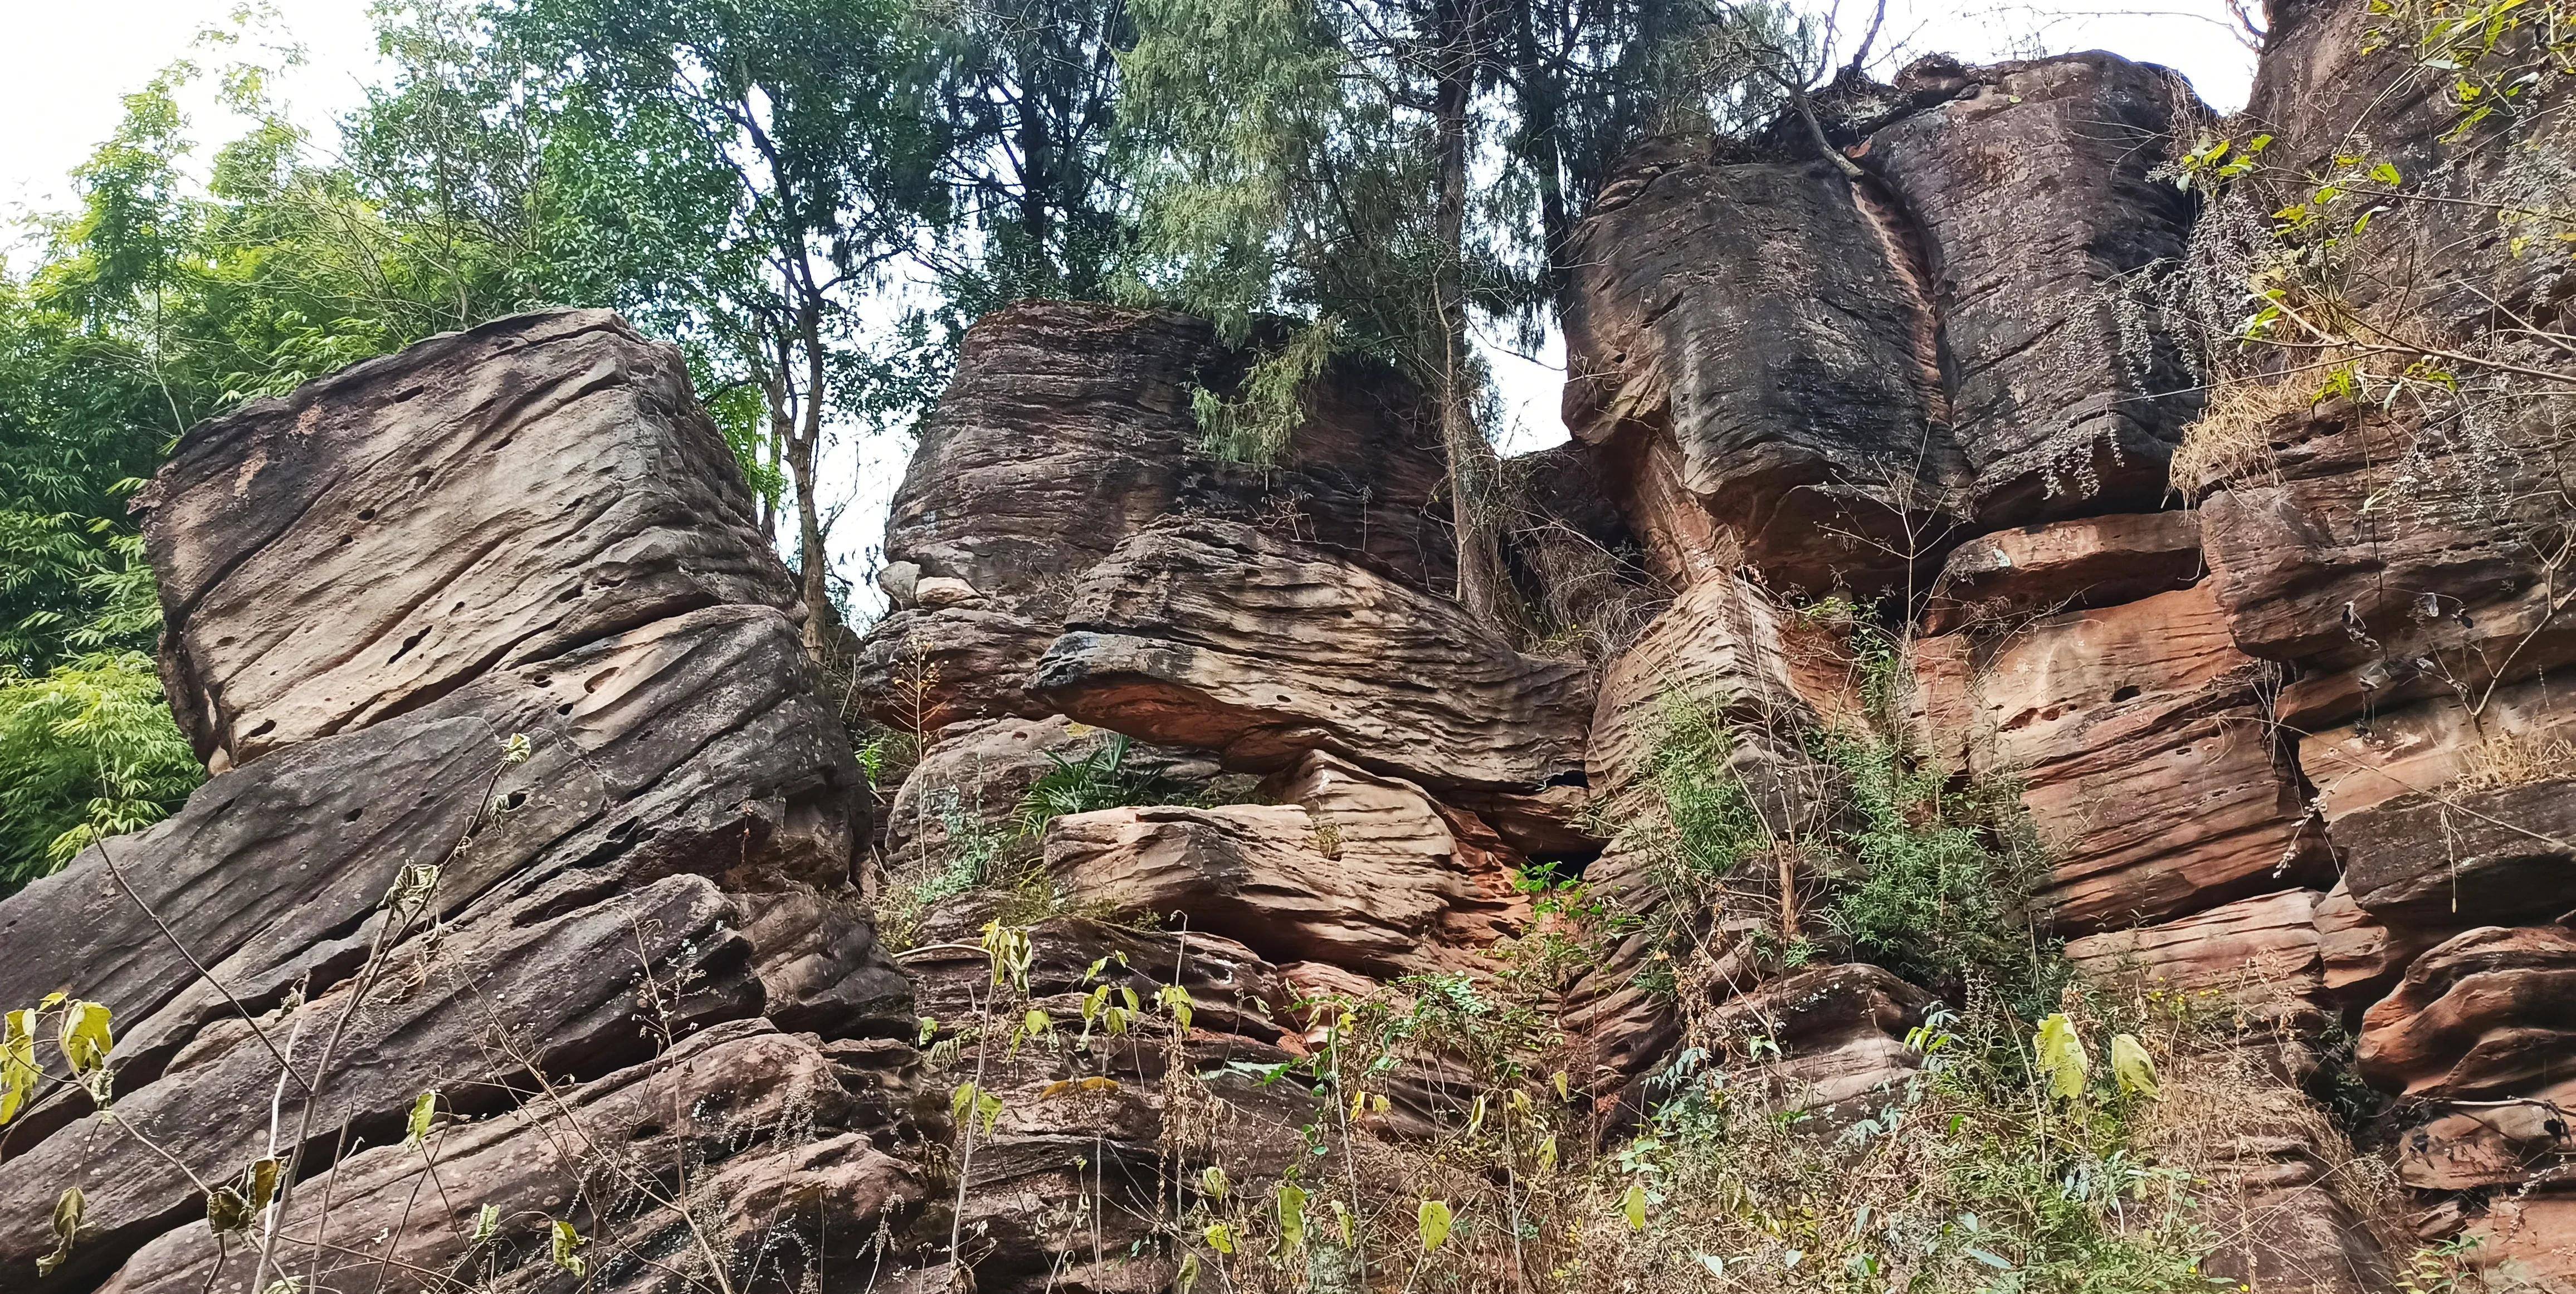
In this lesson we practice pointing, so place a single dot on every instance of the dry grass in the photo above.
(2232, 439)
(2514, 759)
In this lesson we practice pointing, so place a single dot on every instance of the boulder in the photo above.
(2490, 1013)
(2500, 857)
(577, 834)
(484, 499)
(2259, 954)
(1357, 870)
(1838, 1032)
(1205, 634)
(2138, 736)
(1750, 348)
(2033, 189)
(1995, 581)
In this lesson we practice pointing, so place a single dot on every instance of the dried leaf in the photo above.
(67, 1225)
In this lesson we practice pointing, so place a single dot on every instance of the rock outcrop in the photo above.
(547, 819)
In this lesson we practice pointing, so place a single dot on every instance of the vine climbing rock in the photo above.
(534, 806)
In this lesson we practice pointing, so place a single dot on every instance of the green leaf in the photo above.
(1292, 1217)
(2387, 173)
(487, 1223)
(1634, 1206)
(1433, 1220)
(1219, 1238)
(2133, 1068)
(1212, 1182)
(423, 1109)
(1991, 1259)
(2062, 1062)
(563, 1240)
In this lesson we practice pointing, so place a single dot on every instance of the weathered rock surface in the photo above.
(2500, 857)
(2426, 746)
(602, 808)
(774, 1130)
(2489, 1013)
(1067, 429)
(1996, 580)
(1205, 634)
(1749, 345)
(1839, 1031)
(976, 774)
(2139, 737)
(510, 492)
(2032, 190)
(2262, 954)
(1353, 869)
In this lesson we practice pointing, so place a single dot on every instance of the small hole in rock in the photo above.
(2127, 692)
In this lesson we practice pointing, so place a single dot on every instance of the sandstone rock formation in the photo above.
(595, 854)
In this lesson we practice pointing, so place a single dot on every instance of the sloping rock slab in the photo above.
(769, 1137)
(468, 1014)
(2501, 857)
(1839, 1031)
(695, 745)
(509, 493)
(1215, 636)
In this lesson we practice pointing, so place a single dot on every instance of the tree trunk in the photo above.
(804, 440)
(1542, 124)
(1471, 474)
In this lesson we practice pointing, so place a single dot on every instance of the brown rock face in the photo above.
(1839, 1030)
(2501, 857)
(1350, 868)
(1067, 429)
(2141, 742)
(2031, 190)
(582, 752)
(2260, 953)
(1996, 579)
(1201, 634)
(1741, 340)
(511, 492)
(2489, 1013)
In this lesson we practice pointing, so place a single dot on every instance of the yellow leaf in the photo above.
(1433, 1220)
(2062, 1062)
(1547, 1155)
(423, 1109)
(562, 1242)
(85, 1036)
(1212, 1182)
(18, 1071)
(2133, 1068)
(1218, 1238)
(1562, 1093)
(1634, 1205)
(1292, 1217)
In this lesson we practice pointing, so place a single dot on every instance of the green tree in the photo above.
(764, 162)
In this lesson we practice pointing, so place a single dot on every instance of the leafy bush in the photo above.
(1098, 780)
(1945, 877)
(87, 749)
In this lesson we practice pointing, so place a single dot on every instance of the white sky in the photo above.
(67, 64)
